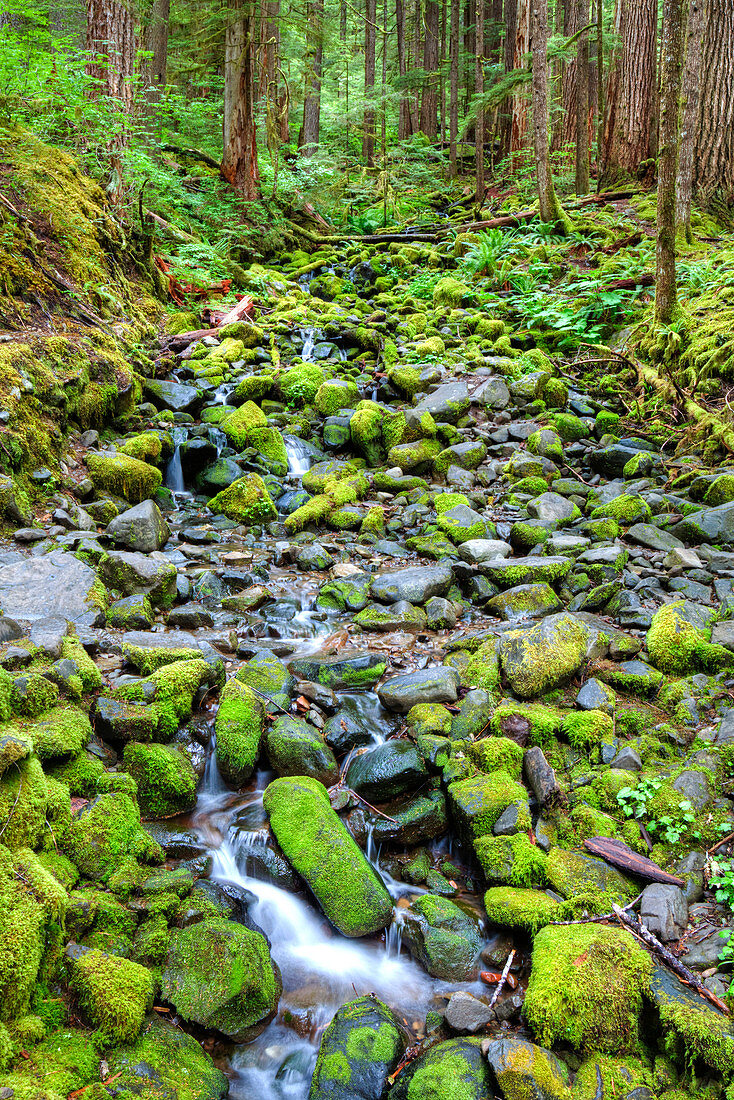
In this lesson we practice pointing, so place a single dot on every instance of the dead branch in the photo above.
(503, 979)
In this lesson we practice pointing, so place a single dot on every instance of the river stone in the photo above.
(153, 1065)
(532, 569)
(359, 1050)
(664, 911)
(646, 534)
(493, 394)
(430, 685)
(694, 786)
(140, 528)
(131, 572)
(528, 1071)
(220, 975)
(525, 601)
(464, 1012)
(56, 585)
(296, 748)
(541, 777)
(316, 843)
(268, 676)
(345, 672)
(346, 730)
(595, 695)
(447, 404)
(413, 821)
(610, 461)
(698, 1023)
(415, 584)
(552, 506)
(398, 616)
(542, 657)
(444, 939)
(478, 550)
(454, 1070)
(386, 771)
(171, 395)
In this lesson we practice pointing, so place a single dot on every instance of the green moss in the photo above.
(173, 1059)
(512, 907)
(497, 753)
(174, 687)
(451, 292)
(270, 447)
(336, 394)
(241, 422)
(511, 860)
(23, 798)
(483, 669)
(625, 509)
(147, 447)
(478, 801)
(677, 646)
(366, 432)
(165, 778)
(246, 500)
(300, 384)
(427, 718)
(576, 875)
(65, 1062)
(106, 831)
(73, 650)
(588, 729)
(239, 728)
(123, 476)
(586, 987)
(81, 774)
(319, 847)
(618, 1076)
(113, 993)
(542, 723)
(33, 694)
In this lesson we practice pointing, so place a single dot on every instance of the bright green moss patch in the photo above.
(105, 832)
(175, 686)
(113, 993)
(164, 776)
(239, 728)
(123, 476)
(677, 645)
(477, 802)
(586, 988)
(246, 500)
(511, 860)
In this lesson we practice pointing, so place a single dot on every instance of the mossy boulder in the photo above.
(452, 292)
(104, 832)
(678, 641)
(267, 675)
(586, 988)
(576, 874)
(537, 660)
(296, 748)
(165, 778)
(524, 1071)
(238, 425)
(170, 692)
(359, 1050)
(299, 385)
(113, 993)
(453, 1070)
(444, 938)
(625, 509)
(238, 727)
(23, 802)
(511, 860)
(477, 802)
(220, 975)
(62, 732)
(170, 1059)
(317, 844)
(515, 907)
(246, 500)
(123, 476)
(336, 394)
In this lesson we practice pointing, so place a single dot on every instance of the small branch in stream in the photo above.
(503, 979)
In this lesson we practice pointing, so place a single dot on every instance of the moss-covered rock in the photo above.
(296, 748)
(477, 802)
(220, 975)
(537, 660)
(678, 642)
(319, 847)
(586, 988)
(238, 727)
(165, 778)
(511, 860)
(113, 993)
(514, 907)
(359, 1050)
(246, 500)
(453, 1070)
(170, 692)
(124, 476)
(23, 801)
(173, 1061)
(104, 832)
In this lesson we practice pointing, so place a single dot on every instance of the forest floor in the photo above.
(392, 621)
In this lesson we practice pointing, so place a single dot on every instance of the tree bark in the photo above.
(454, 83)
(690, 101)
(714, 162)
(429, 96)
(156, 45)
(405, 120)
(570, 78)
(550, 210)
(479, 89)
(519, 101)
(111, 47)
(239, 159)
(632, 89)
(582, 100)
(672, 63)
(309, 138)
(370, 42)
(510, 13)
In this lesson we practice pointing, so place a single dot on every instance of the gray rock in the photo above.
(492, 394)
(465, 1012)
(541, 777)
(646, 534)
(397, 616)
(507, 823)
(459, 518)
(704, 954)
(537, 659)
(388, 770)
(141, 528)
(611, 461)
(415, 584)
(131, 572)
(348, 671)
(723, 634)
(447, 404)
(523, 1069)
(477, 550)
(442, 937)
(627, 760)
(171, 395)
(532, 569)
(595, 695)
(440, 614)
(529, 386)
(345, 730)
(56, 585)
(525, 601)
(664, 911)
(430, 685)
(48, 635)
(552, 506)
(343, 1044)
(694, 786)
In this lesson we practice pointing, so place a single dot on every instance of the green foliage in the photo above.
(669, 827)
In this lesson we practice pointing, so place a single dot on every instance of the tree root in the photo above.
(697, 416)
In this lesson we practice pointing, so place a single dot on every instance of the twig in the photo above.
(651, 941)
(720, 843)
(371, 807)
(594, 920)
(269, 700)
(503, 978)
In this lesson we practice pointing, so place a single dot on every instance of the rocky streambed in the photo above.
(318, 674)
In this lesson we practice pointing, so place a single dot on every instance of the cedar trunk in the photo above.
(156, 45)
(370, 42)
(632, 90)
(521, 50)
(714, 162)
(549, 208)
(672, 63)
(455, 20)
(405, 120)
(429, 97)
(690, 100)
(309, 140)
(111, 47)
(582, 100)
(239, 159)
(479, 89)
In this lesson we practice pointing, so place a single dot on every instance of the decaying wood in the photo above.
(651, 941)
(626, 859)
(183, 339)
(503, 979)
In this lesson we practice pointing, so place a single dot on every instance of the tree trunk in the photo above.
(690, 101)
(550, 210)
(405, 127)
(309, 140)
(156, 45)
(509, 64)
(111, 47)
(570, 79)
(714, 166)
(442, 128)
(417, 55)
(582, 101)
(631, 93)
(479, 89)
(454, 83)
(370, 41)
(599, 85)
(429, 97)
(519, 101)
(672, 62)
(239, 160)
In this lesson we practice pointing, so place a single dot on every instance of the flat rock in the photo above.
(140, 528)
(646, 534)
(478, 550)
(429, 685)
(56, 585)
(465, 1012)
(447, 404)
(416, 584)
(171, 395)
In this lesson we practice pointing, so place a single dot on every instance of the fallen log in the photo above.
(626, 859)
(668, 958)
